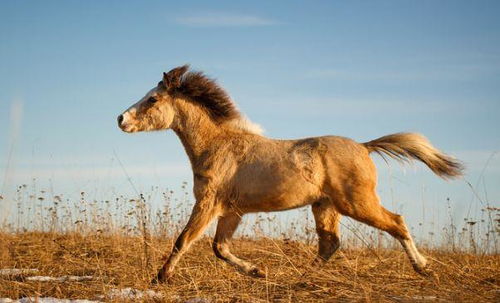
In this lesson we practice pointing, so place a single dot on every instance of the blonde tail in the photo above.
(404, 146)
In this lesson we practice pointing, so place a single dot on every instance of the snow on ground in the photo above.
(132, 294)
(17, 271)
(59, 279)
(113, 294)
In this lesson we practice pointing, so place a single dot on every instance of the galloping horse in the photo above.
(237, 170)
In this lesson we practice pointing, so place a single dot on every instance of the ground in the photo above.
(361, 275)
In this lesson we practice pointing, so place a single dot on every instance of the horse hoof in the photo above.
(161, 278)
(318, 261)
(257, 273)
(430, 275)
(425, 272)
(157, 280)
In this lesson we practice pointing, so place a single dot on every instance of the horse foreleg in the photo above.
(225, 229)
(327, 220)
(202, 215)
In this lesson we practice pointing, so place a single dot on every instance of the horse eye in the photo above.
(152, 100)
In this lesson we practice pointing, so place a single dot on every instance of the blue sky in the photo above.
(353, 68)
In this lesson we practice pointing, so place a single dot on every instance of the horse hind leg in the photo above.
(400, 232)
(327, 220)
(369, 210)
(225, 229)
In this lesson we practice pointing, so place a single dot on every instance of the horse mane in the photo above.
(204, 91)
(200, 89)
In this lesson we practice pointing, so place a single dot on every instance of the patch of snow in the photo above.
(133, 294)
(17, 271)
(60, 279)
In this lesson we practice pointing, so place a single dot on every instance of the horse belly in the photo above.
(271, 190)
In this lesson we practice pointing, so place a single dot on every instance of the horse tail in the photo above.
(405, 146)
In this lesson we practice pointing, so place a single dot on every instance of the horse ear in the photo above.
(172, 79)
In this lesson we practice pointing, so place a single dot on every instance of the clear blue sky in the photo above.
(360, 69)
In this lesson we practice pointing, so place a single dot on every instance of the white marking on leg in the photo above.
(416, 258)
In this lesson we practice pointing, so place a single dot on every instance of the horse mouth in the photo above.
(127, 128)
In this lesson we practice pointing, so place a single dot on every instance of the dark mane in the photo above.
(204, 91)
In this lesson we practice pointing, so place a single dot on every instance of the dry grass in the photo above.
(353, 275)
(121, 242)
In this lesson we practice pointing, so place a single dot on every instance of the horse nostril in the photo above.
(120, 119)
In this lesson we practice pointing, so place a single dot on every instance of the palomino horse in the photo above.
(237, 171)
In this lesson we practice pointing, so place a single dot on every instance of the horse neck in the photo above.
(195, 129)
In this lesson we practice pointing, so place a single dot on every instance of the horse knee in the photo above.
(219, 250)
(180, 243)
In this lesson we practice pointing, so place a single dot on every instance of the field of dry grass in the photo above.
(363, 275)
(117, 244)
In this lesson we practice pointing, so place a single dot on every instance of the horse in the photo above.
(237, 170)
